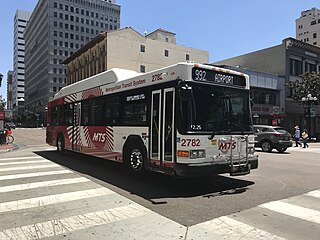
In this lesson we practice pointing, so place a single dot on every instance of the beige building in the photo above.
(308, 27)
(128, 49)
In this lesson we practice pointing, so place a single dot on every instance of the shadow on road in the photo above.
(152, 186)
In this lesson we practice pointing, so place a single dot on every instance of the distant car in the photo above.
(272, 137)
(10, 124)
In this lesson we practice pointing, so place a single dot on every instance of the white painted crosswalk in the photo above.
(40, 199)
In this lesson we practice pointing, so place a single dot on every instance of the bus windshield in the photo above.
(216, 110)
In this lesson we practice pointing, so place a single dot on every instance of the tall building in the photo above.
(21, 19)
(128, 49)
(56, 29)
(9, 90)
(308, 27)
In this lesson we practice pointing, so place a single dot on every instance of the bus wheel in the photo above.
(60, 144)
(135, 159)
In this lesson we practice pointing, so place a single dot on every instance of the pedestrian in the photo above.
(297, 135)
(305, 138)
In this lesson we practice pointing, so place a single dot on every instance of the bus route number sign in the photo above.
(200, 74)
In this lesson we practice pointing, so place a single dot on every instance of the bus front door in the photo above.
(76, 127)
(162, 129)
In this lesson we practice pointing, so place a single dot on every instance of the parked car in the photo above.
(272, 137)
(10, 124)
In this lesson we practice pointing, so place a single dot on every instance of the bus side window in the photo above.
(54, 116)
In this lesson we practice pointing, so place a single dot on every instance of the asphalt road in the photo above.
(192, 201)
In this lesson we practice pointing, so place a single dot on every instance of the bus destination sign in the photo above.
(201, 74)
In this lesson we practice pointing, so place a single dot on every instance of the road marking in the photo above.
(27, 186)
(37, 174)
(315, 193)
(24, 162)
(233, 229)
(21, 158)
(74, 223)
(293, 211)
(53, 199)
(51, 165)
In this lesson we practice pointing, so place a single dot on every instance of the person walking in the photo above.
(305, 138)
(297, 135)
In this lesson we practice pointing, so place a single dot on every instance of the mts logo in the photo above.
(224, 145)
(99, 137)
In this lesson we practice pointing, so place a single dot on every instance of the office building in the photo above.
(289, 59)
(128, 49)
(308, 27)
(56, 29)
(21, 19)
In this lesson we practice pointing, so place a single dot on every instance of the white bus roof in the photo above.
(107, 77)
(115, 75)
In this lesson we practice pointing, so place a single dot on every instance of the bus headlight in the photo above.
(200, 153)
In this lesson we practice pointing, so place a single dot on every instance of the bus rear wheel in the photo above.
(60, 144)
(135, 159)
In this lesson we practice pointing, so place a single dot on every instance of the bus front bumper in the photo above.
(209, 169)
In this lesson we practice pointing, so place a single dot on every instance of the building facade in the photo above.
(56, 29)
(21, 19)
(289, 59)
(9, 90)
(128, 49)
(308, 27)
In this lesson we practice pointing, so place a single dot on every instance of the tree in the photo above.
(309, 84)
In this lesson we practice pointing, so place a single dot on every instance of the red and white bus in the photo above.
(184, 120)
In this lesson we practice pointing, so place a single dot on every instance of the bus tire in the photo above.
(60, 144)
(135, 159)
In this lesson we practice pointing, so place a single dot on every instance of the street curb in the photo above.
(14, 147)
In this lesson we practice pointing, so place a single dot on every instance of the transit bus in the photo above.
(183, 120)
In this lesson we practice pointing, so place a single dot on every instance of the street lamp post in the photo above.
(308, 102)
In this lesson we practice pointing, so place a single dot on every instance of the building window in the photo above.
(187, 57)
(142, 48)
(167, 39)
(313, 22)
(295, 67)
(166, 53)
(315, 35)
(142, 68)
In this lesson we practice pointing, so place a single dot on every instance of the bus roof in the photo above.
(115, 75)
(107, 77)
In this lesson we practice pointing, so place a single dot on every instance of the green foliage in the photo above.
(309, 84)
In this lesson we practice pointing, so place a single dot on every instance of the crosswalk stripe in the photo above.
(293, 211)
(53, 199)
(20, 158)
(74, 223)
(51, 165)
(233, 229)
(36, 174)
(315, 193)
(24, 162)
(27, 186)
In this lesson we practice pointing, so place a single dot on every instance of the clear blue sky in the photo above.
(224, 28)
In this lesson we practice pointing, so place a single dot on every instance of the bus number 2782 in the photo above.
(190, 142)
